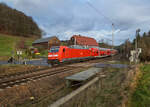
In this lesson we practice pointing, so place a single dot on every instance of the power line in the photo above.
(110, 20)
(99, 12)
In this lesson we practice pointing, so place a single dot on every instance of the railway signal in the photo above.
(135, 53)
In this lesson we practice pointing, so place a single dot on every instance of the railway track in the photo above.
(21, 73)
(9, 82)
(16, 79)
(46, 68)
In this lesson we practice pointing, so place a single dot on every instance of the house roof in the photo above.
(83, 40)
(43, 40)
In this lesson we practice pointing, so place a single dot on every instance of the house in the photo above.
(83, 41)
(46, 42)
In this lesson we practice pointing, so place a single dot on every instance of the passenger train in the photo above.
(60, 54)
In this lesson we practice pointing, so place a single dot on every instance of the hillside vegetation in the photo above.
(15, 22)
(9, 43)
(143, 42)
(105, 45)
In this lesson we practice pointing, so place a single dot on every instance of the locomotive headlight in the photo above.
(52, 55)
(55, 55)
(49, 55)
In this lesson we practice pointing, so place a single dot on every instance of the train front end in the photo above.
(53, 55)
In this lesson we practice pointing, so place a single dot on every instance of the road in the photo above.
(38, 62)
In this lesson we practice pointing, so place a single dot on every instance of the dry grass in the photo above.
(28, 93)
(115, 89)
(40, 93)
(37, 93)
(130, 83)
(12, 69)
(140, 94)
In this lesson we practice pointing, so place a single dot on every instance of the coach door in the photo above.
(64, 53)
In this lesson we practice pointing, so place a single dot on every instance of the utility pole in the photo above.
(137, 32)
(136, 41)
(112, 35)
(75, 41)
(136, 46)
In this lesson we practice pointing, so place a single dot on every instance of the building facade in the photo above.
(46, 42)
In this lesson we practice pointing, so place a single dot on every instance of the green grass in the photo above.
(29, 42)
(141, 96)
(44, 53)
(8, 44)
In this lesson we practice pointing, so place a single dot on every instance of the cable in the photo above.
(99, 12)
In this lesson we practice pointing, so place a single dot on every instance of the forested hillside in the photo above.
(143, 42)
(17, 23)
(105, 45)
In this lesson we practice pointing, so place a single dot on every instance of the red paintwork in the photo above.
(66, 53)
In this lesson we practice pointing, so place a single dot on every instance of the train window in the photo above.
(54, 49)
(64, 50)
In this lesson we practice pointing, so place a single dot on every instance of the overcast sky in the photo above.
(67, 17)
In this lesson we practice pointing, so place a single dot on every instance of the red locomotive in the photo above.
(84, 48)
(59, 54)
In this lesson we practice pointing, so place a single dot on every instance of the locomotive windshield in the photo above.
(54, 49)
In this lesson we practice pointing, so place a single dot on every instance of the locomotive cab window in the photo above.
(54, 49)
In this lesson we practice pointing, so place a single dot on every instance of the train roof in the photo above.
(83, 47)
(78, 47)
